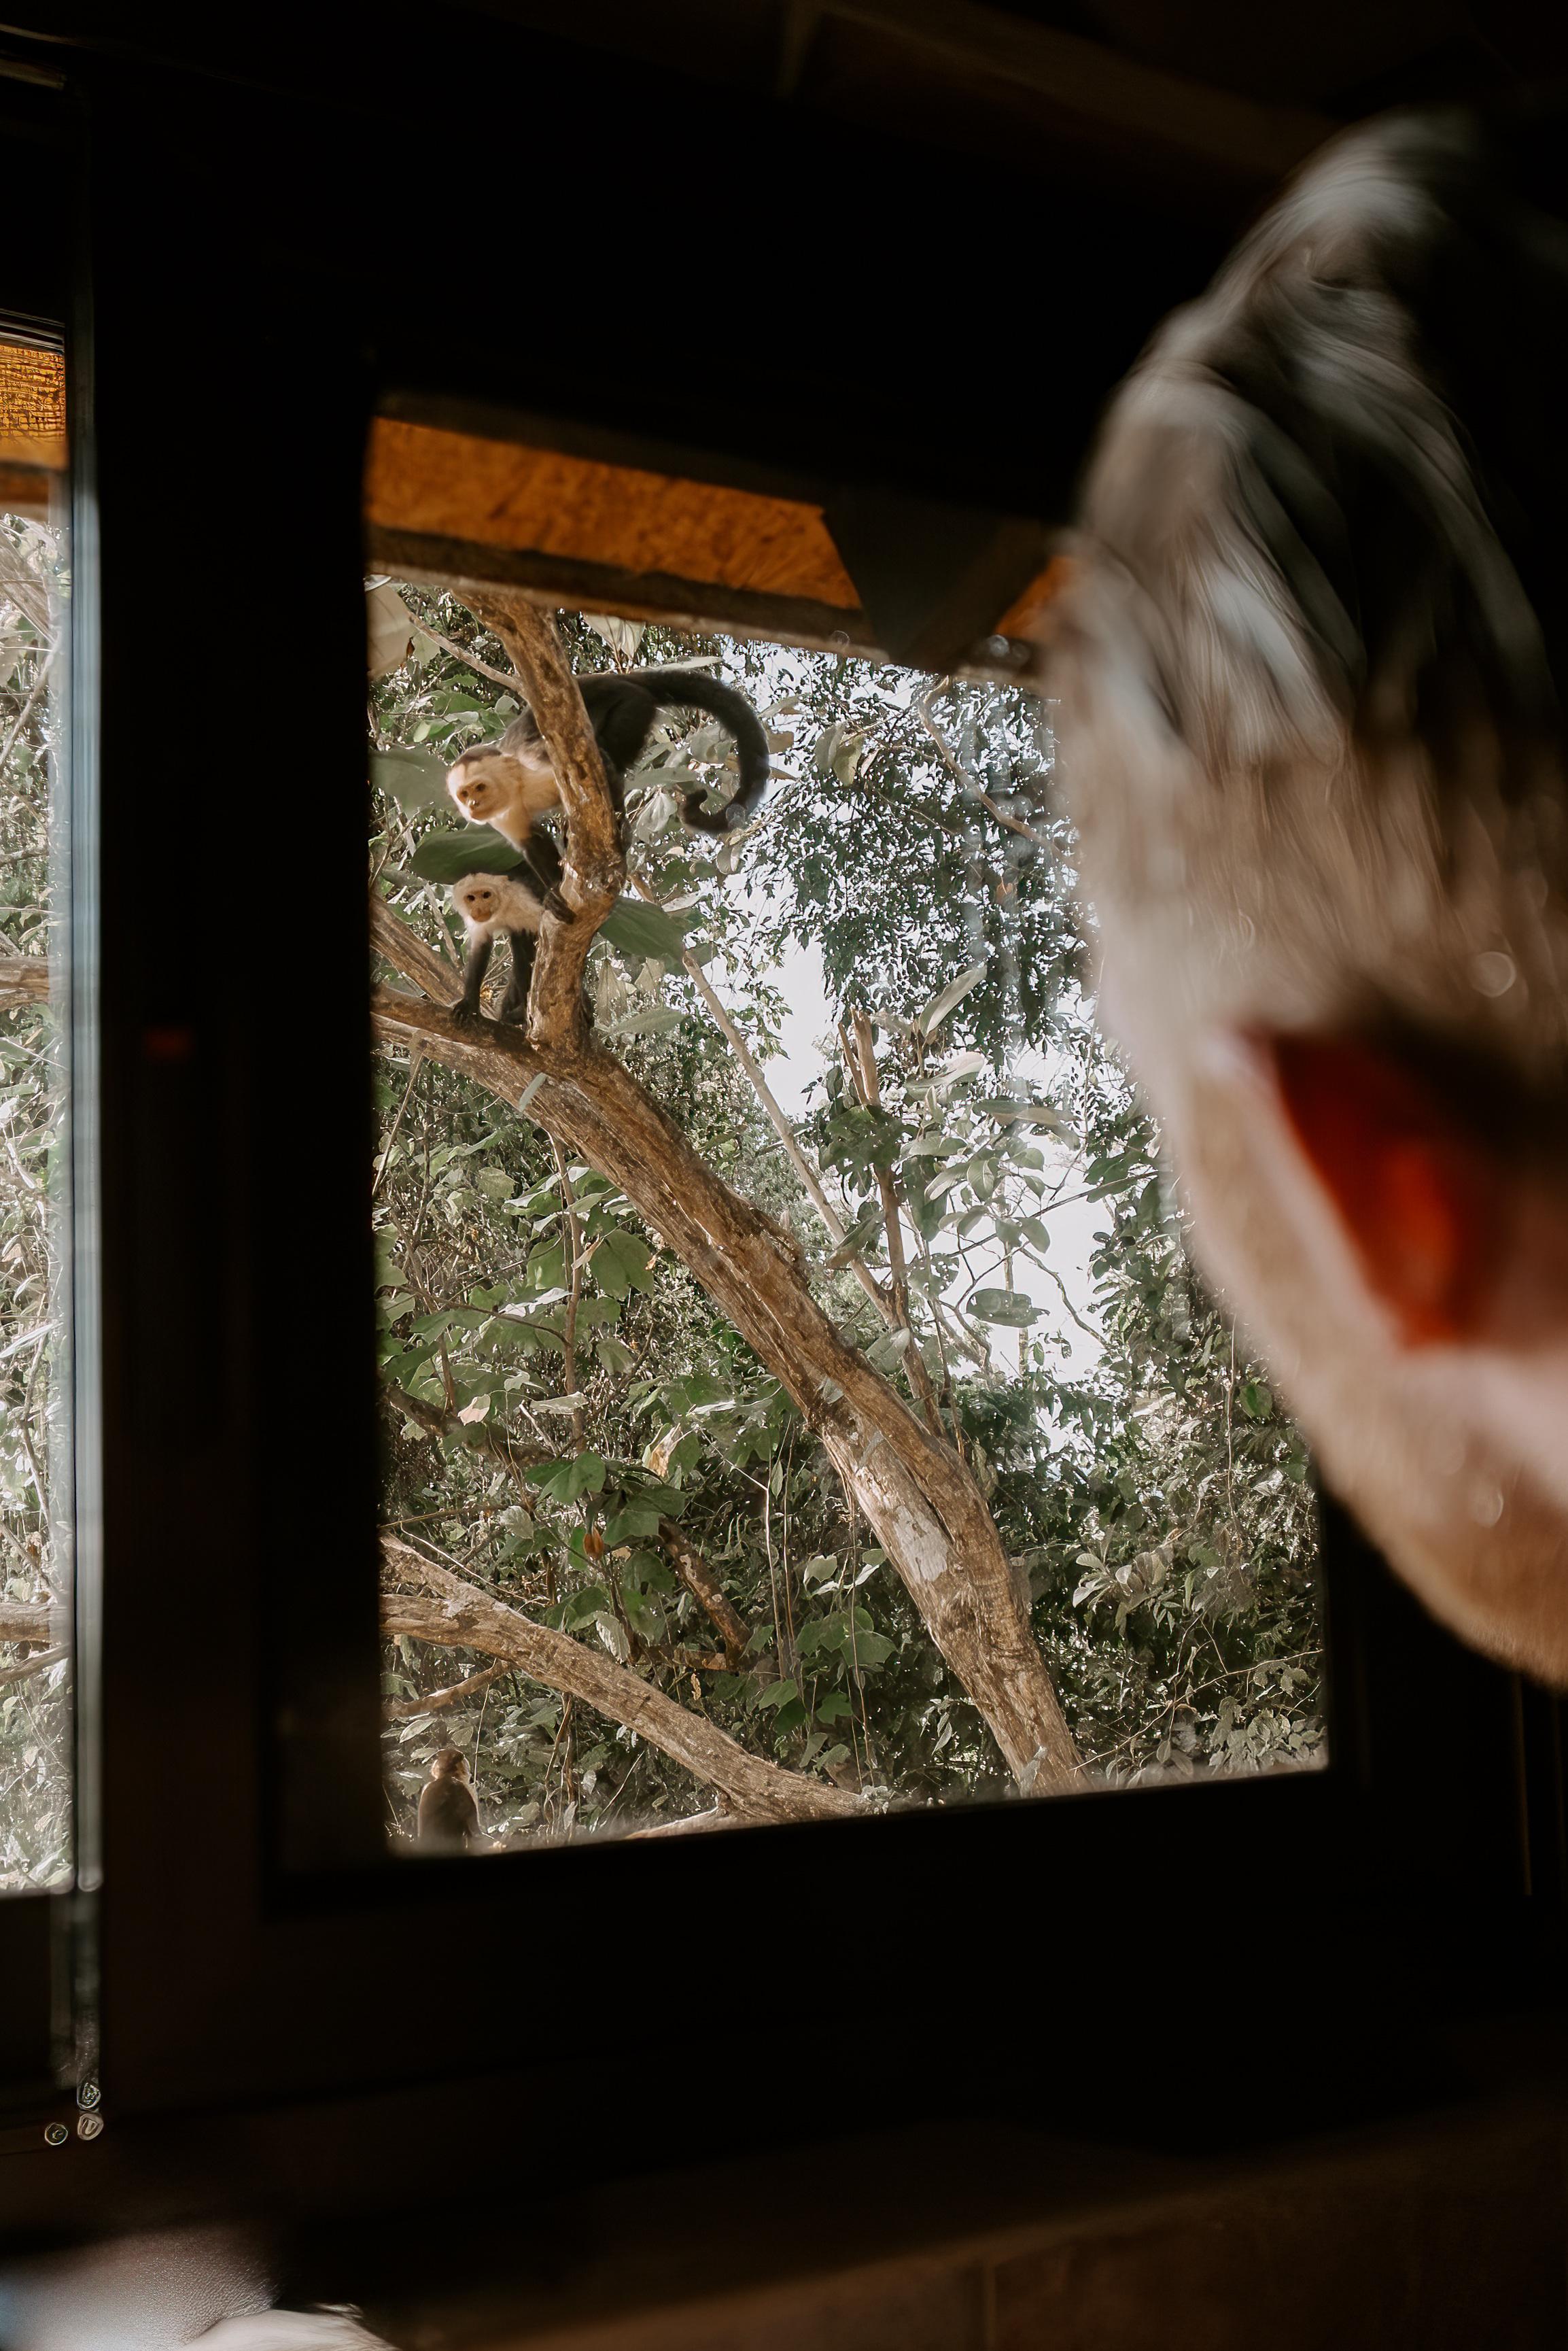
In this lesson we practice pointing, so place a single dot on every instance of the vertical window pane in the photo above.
(36, 1728)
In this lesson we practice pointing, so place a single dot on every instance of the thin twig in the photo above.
(416, 1063)
(461, 654)
(952, 762)
(869, 1086)
(26, 710)
(399, 1710)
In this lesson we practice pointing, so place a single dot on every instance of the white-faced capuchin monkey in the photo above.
(510, 783)
(491, 904)
(448, 1811)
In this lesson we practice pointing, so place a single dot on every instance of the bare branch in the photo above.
(451, 1614)
(402, 1710)
(462, 654)
(692, 1825)
(24, 979)
(509, 1453)
(29, 1620)
(707, 1591)
(950, 761)
(870, 1089)
(752, 1070)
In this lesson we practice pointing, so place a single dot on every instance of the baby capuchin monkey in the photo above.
(448, 1811)
(510, 783)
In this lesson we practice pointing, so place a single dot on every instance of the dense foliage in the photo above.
(35, 1560)
(567, 1412)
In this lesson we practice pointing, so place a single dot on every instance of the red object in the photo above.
(1417, 1197)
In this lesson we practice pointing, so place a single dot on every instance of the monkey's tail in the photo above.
(693, 689)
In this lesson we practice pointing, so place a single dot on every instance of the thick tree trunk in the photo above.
(452, 1614)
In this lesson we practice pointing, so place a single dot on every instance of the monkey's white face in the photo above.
(491, 787)
(478, 904)
(489, 904)
(482, 788)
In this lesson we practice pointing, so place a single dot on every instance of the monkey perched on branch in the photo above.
(1313, 666)
(493, 905)
(449, 1810)
(510, 783)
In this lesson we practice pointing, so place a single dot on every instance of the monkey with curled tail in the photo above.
(511, 783)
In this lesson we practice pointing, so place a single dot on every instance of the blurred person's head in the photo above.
(1313, 667)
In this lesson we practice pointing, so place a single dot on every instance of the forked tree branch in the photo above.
(929, 1515)
(596, 865)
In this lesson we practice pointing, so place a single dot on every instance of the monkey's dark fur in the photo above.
(509, 783)
(491, 904)
(622, 708)
(449, 1814)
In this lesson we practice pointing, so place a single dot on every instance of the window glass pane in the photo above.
(1088, 1553)
(36, 1727)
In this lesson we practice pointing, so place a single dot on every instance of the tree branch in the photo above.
(950, 761)
(705, 1588)
(786, 1135)
(508, 1453)
(402, 1710)
(929, 1516)
(29, 1620)
(869, 1085)
(451, 1614)
(24, 979)
(596, 867)
(30, 1665)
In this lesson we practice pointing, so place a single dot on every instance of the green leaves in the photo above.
(1004, 1306)
(621, 1263)
(928, 1021)
(415, 778)
(639, 930)
(564, 1481)
(448, 855)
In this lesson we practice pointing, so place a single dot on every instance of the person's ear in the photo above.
(1424, 1204)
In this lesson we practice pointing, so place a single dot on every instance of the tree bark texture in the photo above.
(927, 1512)
(595, 866)
(451, 1614)
(31, 1620)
